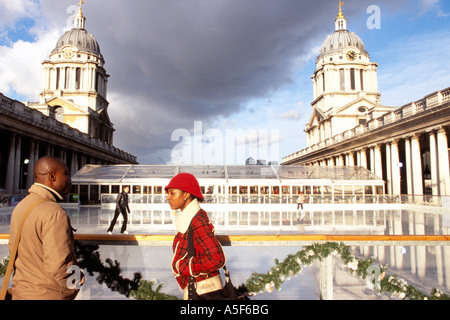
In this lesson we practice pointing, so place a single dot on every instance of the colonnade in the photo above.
(74, 77)
(27, 135)
(23, 152)
(413, 164)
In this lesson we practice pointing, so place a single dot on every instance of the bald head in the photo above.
(53, 173)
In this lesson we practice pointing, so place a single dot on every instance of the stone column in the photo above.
(395, 168)
(363, 158)
(10, 169)
(416, 159)
(388, 168)
(358, 157)
(408, 164)
(340, 160)
(378, 168)
(372, 159)
(443, 164)
(63, 155)
(433, 164)
(17, 163)
(351, 159)
(31, 165)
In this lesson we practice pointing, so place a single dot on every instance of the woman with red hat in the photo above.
(184, 194)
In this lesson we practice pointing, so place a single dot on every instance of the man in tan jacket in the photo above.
(45, 258)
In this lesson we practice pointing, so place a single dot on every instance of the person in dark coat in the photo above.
(121, 207)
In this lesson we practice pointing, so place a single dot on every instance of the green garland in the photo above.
(146, 292)
(396, 287)
(3, 266)
(392, 285)
(110, 273)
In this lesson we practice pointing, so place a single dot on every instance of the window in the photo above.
(352, 79)
(361, 74)
(147, 189)
(296, 189)
(99, 83)
(96, 81)
(379, 189)
(157, 190)
(362, 109)
(67, 78)
(104, 188)
(264, 190)
(323, 78)
(57, 78)
(74, 188)
(358, 189)
(136, 189)
(275, 190)
(232, 190)
(84, 193)
(368, 189)
(348, 190)
(77, 78)
(94, 194)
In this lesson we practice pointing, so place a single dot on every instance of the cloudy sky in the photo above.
(218, 81)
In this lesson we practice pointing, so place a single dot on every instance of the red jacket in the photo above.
(209, 253)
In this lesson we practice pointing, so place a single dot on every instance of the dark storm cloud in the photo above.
(199, 53)
(175, 61)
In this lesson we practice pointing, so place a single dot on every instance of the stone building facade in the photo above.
(71, 119)
(406, 146)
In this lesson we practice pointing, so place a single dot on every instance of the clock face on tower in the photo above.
(351, 55)
(68, 54)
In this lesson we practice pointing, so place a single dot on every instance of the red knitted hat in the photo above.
(186, 182)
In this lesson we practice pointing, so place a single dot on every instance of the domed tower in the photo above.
(344, 83)
(75, 82)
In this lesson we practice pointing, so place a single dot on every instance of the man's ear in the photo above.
(186, 196)
(52, 176)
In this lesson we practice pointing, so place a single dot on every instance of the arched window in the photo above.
(58, 76)
(352, 79)
(77, 79)
(324, 88)
(361, 74)
(67, 78)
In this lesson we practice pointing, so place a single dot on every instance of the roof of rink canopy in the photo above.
(142, 173)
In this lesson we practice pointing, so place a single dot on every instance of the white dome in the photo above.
(81, 39)
(339, 41)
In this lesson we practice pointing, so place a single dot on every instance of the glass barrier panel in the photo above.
(424, 267)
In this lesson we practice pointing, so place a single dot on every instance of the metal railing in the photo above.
(429, 200)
